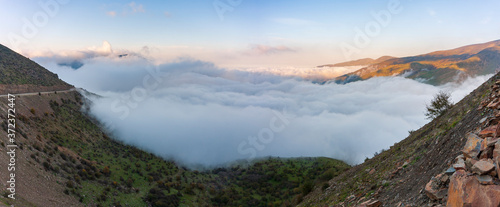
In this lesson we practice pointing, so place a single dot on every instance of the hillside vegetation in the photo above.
(20, 74)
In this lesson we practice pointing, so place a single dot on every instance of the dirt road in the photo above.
(37, 93)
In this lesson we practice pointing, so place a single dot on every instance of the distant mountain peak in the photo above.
(469, 49)
(359, 62)
(435, 68)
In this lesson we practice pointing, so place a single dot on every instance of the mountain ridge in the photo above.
(437, 67)
(19, 74)
(359, 62)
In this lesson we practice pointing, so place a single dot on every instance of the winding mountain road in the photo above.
(36, 93)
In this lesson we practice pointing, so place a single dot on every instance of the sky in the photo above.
(241, 33)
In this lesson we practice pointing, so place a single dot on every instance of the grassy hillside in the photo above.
(69, 161)
(436, 68)
(16, 69)
(397, 176)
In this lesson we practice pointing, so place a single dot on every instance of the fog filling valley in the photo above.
(199, 114)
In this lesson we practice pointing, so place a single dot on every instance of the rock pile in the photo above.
(473, 179)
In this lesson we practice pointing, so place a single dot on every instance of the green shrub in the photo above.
(307, 187)
(439, 105)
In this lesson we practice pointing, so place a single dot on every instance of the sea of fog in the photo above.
(199, 114)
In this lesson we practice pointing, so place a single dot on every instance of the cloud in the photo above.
(316, 74)
(127, 9)
(76, 59)
(111, 13)
(486, 20)
(431, 12)
(293, 21)
(135, 8)
(267, 50)
(76, 64)
(196, 113)
(434, 14)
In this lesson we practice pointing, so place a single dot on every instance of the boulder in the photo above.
(497, 132)
(488, 132)
(467, 191)
(456, 189)
(434, 188)
(484, 143)
(484, 179)
(372, 171)
(490, 141)
(483, 120)
(444, 179)
(496, 150)
(472, 147)
(469, 163)
(493, 105)
(496, 166)
(487, 153)
(459, 165)
(450, 171)
(483, 167)
(484, 103)
(493, 173)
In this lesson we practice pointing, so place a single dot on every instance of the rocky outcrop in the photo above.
(473, 146)
(465, 190)
(475, 174)
(483, 167)
(436, 188)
